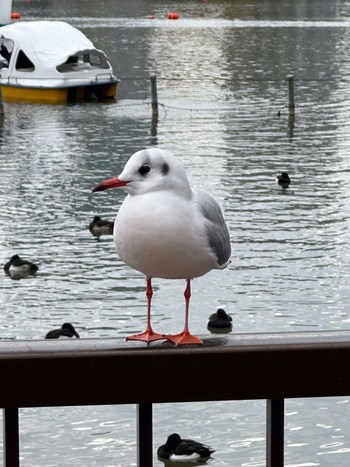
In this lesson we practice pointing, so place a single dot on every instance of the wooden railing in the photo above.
(112, 371)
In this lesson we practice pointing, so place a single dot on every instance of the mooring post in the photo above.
(144, 435)
(291, 105)
(275, 433)
(11, 437)
(153, 79)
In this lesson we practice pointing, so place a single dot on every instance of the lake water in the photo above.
(221, 71)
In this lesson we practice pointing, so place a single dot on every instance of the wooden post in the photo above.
(153, 79)
(291, 105)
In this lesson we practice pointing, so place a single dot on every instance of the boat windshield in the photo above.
(85, 60)
(6, 49)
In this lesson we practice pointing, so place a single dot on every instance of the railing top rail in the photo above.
(227, 367)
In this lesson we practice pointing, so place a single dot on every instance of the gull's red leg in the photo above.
(147, 336)
(185, 337)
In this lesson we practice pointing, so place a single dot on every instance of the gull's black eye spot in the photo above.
(144, 169)
(165, 168)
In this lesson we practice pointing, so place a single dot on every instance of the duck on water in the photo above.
(18, 268)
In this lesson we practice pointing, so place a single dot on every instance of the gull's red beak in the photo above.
(111, 183)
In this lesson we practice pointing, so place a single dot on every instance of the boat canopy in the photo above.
(50, 43)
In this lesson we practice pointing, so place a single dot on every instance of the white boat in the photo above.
(5, 12)
(52, 62)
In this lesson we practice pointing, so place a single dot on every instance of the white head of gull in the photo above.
(167, 229)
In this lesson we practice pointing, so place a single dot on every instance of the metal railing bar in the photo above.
(268, 366)
(11, 437)
(144, 435)
(275, 433)
(286, 365)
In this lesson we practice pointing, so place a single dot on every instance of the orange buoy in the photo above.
(173, 15)
(15, 15)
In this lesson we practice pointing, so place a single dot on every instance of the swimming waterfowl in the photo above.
(220, 320)
(100, 227)
(283, 180)
(18, 268)
(177, 449)
(66, 331)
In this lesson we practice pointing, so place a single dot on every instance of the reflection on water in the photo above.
(221, 73)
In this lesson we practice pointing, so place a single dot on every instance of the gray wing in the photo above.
(216, 228)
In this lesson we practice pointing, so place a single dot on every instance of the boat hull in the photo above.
(60, 95)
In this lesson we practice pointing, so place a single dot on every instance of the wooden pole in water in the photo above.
(153, 79)
(291, 105)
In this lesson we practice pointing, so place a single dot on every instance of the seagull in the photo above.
(66, 331)
(177, 449)
(100, 227)
(166, 229)
(18, 268)
(283, 180)
(220, 320)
